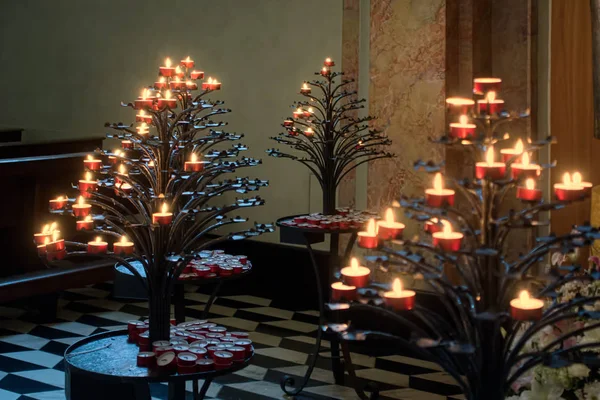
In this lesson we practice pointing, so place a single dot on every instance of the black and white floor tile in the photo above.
(31, 362)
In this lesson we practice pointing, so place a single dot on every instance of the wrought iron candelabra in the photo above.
(482, 321)
(154, 201)
(332, 140)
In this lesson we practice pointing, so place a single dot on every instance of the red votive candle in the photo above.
(329, 62)
(177, 84)
(197, 74)
(340, 291)
(163, 217)
(194, 165)
(146, 359)
(462, 129)
(368, 239)
(87, 185)
(56, 255)
(86, 224)
(389, 229)
(325, 71)
(44, 236)
(80, 209)
(167, 70)
(187, 359)
(398, 298)
(485, 85)
(188, 63)
(123, 247)
(58, 204)
(143, 117)
(222, 357)
(166, 362)
(127, 145)
(489, 169)
(204, 365)
(525, 308)
(92, 163)
(168, 101)
(97, 246)
(529, 192)
(490, 105)
(513, 153)
(446, 239)
(568, 190)
(524, 169)
(189, 85)
(578, 180)
(432, 226)
(438, 196)
(161, 83)
(355, 275)
(56, 244)
(305, 89)
(459, 105)
(41, 248)
(144, 101)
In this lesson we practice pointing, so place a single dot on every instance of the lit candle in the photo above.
(97, 246)
(86, 224)
(578, 180)
(211, 84)
(167, 70)
(58, 203)
(489, 168)
(513, 153)
(41, 248)
(329, 62)
(568, 190)
(529, 192)
(389, 229)
(178, 72)
(143, 117)
(459, 105)
(122, 172)
(305, 89)
(438, 196)
(143, 101)
(462, 129)
(340, 291)
(168, 101)
(484, 85)
(142, 129)
(309, 132)
(123, 186)
(127, 144)
(433, 225)
(164, 217)
(325, 71)
(123, 247)
(368, 239)
(525, 308)
(193, 165)
(399, 299)
(288, 122)
(190, 85)
(197, 74)
(446, 239)
(81, 209)
(355, 275)
(161, 83)
(188, 62)
(56, 244)
(490, 105)
(87, 185)
(91, 163)
(299, 113)
(114, 157)
(309, 112)
(40, 237)
(177, 84)
(524, 169)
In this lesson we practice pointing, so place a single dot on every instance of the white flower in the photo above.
(578, 371)
(591, 391)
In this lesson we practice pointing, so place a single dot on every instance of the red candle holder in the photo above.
(246, 344)
(355, 275)
(127, 145)
(146, 359)
(485, 85)
(204, 365)
(520, 314)
(187, 359)
(58, 203)
(84, 225)
(492, 171)
(162, 218)
(568, 192)
(526, 194)
(42, 237)
(191, 85)
(329, 62)
(525, 308)
(81, 210)
(187, 63)
(56, 245)
(141, 117)
(41, 249)
(177, 85)
(197, 74)
(490, 106)
(432, 227)
(166, 362)
(459, 105)
(340, 291)
(166, 71)
(86, 187)
(161, 84)
(123, 248)
(387, 231)
(462, 131)
(405, 302)
(166, 103)
(97, 247)
(193, 166)
(439, 197)
(367, 241)
(142, 103)
(514, 154)
(521, 171)
(92, 164)
(448, 241)
(325, 71)
(55, 255)
(222, 357)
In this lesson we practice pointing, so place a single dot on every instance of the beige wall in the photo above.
(66, 64)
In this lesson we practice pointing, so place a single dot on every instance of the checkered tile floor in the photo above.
(31, 354)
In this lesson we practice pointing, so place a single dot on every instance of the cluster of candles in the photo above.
(195, 346)
(213, 263)
(343, 219)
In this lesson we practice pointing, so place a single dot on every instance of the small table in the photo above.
(104, 366)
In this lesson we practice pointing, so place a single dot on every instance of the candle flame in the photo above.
(168, 62)
(60, 198)
(88, 176)
(53, 227)
(210, 80)
(177, 70)
(519, 147)
(389, 216)
(437, 182)
(54, 236)
(142, 113)
(371, 228)
(46, 240)
(189, 83)
(447, 227)
(88, 218)
(177, 79)
(463, 119)
(325, 69)
(188, 59)
(124, 238)
(354, 264)
(122, 170)
(309, 132)
(90, 158)
(577, 178)
(298, 110)
(98, 239)
(397, 286)
(530, 184)
(310, 110)
(305, 86)
(491, 96)
(328, 60)
(525, 159)
(145, 94)
(46, 228)
(567, 178)
(489, 156)
(167, 94)
(117, 152)
(151, 164)
(524, 296)
(80, 201)
(164, 208)
(162, 79)
(193, 157)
